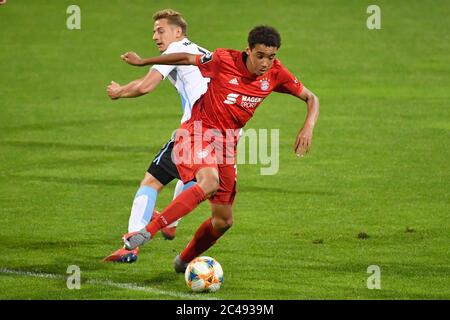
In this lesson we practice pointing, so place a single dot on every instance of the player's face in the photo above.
(165, 33)
(260, 59)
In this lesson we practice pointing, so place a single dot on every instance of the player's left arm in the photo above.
(304, 137)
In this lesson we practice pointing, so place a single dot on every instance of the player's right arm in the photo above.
(166, 59)
(135, 88)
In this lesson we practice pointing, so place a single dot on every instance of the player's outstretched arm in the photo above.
(168, 59)
(135, 88)
(304, 137)
(131, 58)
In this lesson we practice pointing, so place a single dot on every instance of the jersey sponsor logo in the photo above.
(244, 101)
(231, 98)
(234, 81)
(206, 58)
(250, 102)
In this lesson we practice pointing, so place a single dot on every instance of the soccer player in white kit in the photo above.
(169, 34)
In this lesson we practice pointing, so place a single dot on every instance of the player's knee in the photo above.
(209, 186)
(152, 182)
(223, 224)
(228, 223)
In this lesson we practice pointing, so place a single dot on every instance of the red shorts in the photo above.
(191, 155)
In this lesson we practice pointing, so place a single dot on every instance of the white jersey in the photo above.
(188, 80)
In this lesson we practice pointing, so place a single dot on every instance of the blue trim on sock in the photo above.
(152, 194)
(188, 185)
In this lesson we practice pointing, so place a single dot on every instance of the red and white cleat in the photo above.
(123, 256)
(169, 232)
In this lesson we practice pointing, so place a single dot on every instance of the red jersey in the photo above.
(231, 100)
(234, 93)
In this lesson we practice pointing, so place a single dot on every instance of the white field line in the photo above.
(107, 283)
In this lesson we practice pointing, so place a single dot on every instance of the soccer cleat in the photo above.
(179, 265)
(167, 232)
(123, 256)
(135, 239)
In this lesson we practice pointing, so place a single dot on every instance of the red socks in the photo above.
(204, 238)
(187, 201)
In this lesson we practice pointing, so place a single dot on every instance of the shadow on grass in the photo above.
(80, 181)
(50, 125)
(252, 188)
(23, 243)
(78, 147)
(55, 257)
(161, 278)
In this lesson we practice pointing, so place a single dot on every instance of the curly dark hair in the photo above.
(265, 35)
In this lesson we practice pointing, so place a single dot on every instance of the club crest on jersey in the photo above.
(265, 84)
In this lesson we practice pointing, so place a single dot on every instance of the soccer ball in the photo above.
(204, 274)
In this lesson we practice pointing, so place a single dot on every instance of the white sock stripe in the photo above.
(137, 217)
(178, 189)
(174, 224)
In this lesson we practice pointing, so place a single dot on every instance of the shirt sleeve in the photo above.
(209, 64)
(166, 69)
(288, 83)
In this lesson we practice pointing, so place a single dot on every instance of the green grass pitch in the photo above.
(71, 159)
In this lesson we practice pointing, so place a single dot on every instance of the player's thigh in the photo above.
(222, 216)
(226, 193)
(208, 179)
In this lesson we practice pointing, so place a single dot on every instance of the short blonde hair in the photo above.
(173, 17)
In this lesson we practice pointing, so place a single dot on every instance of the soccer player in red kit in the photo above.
(240, 81)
